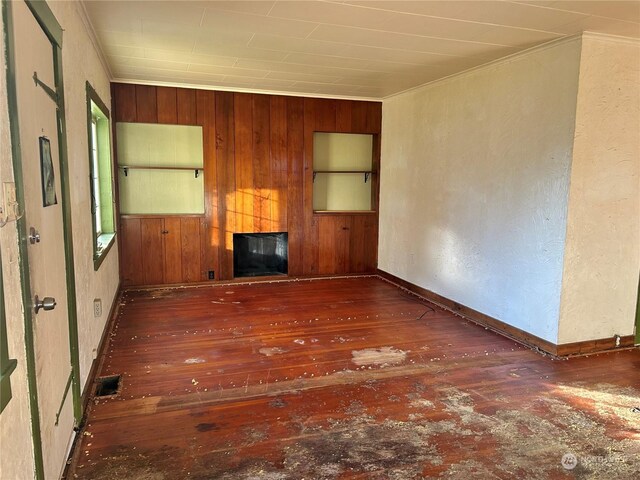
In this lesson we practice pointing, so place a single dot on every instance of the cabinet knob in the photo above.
(164, 232)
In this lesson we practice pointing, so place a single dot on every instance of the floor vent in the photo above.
(108, 386)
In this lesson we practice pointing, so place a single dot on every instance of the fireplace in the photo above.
(259, 254)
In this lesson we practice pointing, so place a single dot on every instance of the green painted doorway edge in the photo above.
(638, 316)
(45, 18)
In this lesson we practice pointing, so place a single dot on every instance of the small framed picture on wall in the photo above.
(46, 172)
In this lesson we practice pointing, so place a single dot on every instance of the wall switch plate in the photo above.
(97, 308)
(211, 275)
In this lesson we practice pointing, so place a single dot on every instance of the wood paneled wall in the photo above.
(258, 170)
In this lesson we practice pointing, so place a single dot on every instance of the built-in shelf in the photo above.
(126, 168)
(344, 212)
(367, 173)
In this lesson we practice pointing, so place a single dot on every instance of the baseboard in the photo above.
(520, 336)
(595, 346)
(248, 281)
(102, 349)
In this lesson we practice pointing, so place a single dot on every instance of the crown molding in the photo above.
(243, 90)
(84, 16)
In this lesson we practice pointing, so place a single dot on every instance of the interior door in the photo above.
(37, 122)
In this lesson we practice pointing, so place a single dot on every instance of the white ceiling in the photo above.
(368, 49)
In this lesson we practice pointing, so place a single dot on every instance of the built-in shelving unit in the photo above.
(367, 173)
(340, 162)
(160, 168)
(125, 168)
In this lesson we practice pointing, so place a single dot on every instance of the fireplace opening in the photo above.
(259, 254)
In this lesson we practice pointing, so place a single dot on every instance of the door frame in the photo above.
(52, 29)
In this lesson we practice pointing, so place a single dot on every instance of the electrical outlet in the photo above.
(97, 308)
(211, 275)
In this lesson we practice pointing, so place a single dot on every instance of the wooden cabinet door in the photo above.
(161, 250)
(343, 237)
(172, 237)
(131, 244)
(152, 250)
(190, 245)
(333, 244)
(363, 244)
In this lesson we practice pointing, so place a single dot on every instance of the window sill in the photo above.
(103, 244)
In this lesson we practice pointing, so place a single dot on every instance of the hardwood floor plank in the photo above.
(344, 378)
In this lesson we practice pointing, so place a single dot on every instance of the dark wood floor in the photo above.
(346, 378)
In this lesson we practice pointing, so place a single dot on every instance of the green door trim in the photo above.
(68, 237)
(44, 16)
(638, 316)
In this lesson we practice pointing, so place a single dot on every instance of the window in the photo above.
(102, 208)
(7, 365)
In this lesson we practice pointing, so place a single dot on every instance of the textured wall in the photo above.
(474, 186)
(603, 234)
(81, 64)
(16, 460)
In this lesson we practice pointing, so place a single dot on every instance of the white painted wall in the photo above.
(602, 254)
(474, 185)
(80, 63)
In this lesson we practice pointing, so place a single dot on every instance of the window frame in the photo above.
(102, 241)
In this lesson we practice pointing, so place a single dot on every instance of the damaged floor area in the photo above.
(346, 378)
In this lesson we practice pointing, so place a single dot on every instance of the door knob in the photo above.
(46, 304)
(34, 236)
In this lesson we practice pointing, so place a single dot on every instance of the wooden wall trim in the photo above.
(594, 346)
(497, 326)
